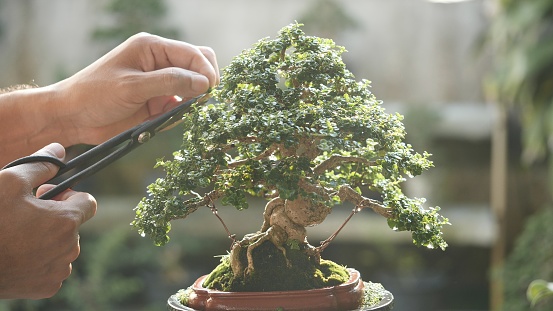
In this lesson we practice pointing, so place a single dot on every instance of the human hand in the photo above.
(135, 81)
(39, 238)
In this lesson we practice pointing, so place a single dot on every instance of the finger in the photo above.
(42, 189)
(36, 173)
(171, 81)
(83, 204)
(210, 55)
(184, 55)
(165, 53)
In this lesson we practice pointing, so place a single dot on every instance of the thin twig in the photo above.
(230, 235)
(325, 243)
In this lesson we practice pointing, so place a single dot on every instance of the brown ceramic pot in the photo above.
(345, 296)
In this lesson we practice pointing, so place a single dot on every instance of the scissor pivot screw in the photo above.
(144, 137)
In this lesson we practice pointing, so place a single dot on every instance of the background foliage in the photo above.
(131, 17)
(522, 41)
(532, 258)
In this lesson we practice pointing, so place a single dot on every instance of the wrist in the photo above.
(33, 119)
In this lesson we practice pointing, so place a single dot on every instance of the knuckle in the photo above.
(141, 37)
(82, 211)
(91, 202)
(75, 252)
(8, 175)
(66, 272)
(88, 208)
(17, 182)
(172, 78)
(206, 50)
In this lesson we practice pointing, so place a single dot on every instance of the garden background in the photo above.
(447, 67)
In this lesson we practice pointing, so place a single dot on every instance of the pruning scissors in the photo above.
(104, 154)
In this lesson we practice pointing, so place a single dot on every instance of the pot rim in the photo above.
(385, 304)
(354, 278)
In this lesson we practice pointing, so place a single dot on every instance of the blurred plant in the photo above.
(328, 18)
(133, 16)
(531, 259)
(521, 37)
(112, 273)
(538, 291)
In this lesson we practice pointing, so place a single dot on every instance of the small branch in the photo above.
(205, 200)
(231, 236)
(336, 160)
(262, 155)
(346, 193)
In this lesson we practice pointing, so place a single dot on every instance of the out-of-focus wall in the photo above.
(45, 40)
(413, 51)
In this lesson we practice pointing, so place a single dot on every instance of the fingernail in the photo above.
(200, 83)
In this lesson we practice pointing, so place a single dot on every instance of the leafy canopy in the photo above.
(288, 114)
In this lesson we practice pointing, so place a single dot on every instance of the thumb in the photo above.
(37, 173)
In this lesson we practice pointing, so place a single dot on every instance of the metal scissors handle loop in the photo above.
(133, 137)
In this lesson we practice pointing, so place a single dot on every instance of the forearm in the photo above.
(30, 119)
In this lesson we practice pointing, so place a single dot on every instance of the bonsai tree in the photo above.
(292, 125)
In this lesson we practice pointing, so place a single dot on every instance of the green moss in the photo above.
(271, 272)
(183, 295)
(374, 293)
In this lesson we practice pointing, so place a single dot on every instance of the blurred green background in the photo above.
(473, 79)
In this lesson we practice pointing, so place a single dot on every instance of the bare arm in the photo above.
(28, 122)
(135, 81)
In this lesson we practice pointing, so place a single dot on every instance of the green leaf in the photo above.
(538, 291)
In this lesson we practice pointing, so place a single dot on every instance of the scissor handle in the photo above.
(64, 168)
(35, 158)
(89, 171)
(97, 151)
